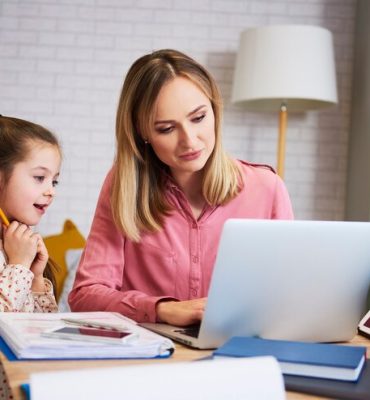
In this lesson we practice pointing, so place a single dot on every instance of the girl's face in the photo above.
(183, 134)
(31, 187)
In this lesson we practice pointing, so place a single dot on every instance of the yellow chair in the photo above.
(57, 245)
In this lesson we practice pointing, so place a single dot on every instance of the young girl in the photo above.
(153, 241)
(30, 159)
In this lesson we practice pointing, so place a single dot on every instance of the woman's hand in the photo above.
(38, 265)
(181, 313)
(20, 244)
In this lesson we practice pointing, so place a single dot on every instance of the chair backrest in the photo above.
(57, 245)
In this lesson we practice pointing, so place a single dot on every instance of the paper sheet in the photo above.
(232, 379)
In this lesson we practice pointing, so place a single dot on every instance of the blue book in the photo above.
(327, 361)
(345, 390)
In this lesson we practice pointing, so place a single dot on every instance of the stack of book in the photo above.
(31, 336)
(330, 370)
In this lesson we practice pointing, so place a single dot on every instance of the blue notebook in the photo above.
(25, 387)
(328, 361)
(344, 390)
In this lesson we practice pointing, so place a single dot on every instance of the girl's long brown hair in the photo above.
(16, 135)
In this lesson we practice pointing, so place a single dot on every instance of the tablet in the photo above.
(364, 325)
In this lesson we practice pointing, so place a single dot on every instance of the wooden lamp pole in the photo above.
(283, 117)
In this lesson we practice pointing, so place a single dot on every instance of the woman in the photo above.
(154, 238)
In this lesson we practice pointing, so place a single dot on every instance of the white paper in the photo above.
(232, 379)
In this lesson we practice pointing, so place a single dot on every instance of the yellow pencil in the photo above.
(3, 217)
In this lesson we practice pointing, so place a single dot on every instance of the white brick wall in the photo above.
(62, 64)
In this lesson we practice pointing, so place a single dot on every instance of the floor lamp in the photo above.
(285, 68)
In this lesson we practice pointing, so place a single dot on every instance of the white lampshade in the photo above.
(291, 64)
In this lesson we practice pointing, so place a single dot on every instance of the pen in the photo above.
(4, 218)
(94, 324)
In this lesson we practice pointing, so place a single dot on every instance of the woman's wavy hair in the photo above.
(138, 197)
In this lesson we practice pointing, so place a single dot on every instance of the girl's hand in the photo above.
(38, 265)
(20, 244)
(181, 313)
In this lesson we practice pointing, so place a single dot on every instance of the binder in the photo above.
(8, 353)
(22, 338)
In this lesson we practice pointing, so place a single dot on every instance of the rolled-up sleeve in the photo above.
(99, 280)
(282, 206)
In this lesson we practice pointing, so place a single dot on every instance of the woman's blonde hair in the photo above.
(138, 197)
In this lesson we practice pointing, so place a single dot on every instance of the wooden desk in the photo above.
(18, 372)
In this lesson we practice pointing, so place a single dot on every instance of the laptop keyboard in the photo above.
(191, 330)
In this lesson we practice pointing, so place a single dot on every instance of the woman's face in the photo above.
(183, 131)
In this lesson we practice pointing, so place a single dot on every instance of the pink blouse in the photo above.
(117, 274)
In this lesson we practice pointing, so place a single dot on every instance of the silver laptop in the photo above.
(293, 280)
